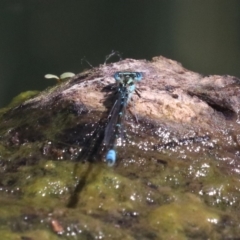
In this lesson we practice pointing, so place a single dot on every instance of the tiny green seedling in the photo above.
(61, 78)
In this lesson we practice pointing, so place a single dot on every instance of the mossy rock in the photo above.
(177, 171)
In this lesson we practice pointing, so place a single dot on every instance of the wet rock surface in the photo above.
(177, 172)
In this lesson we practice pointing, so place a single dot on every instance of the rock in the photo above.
(181, 146)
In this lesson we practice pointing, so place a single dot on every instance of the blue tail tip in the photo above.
(111, 157)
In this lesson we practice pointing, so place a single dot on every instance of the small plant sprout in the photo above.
(62, 77)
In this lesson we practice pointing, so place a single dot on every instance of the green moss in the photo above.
(18, 100)
(38, 235)
(22, 97)
(6, 234)
(186, 216)
(106, 190)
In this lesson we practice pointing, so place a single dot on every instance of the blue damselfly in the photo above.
(126, 82)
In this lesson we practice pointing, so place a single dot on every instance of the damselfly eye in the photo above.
(138, 76)
(117, 76)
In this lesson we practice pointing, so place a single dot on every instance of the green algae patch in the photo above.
(107, 191)
(34, 234)
(7, 234)
(222, 193)
(19, 99)
(50, 182)
(22, 97)
(186, 217)
(39, 235)
(75, 224)
(47, 186)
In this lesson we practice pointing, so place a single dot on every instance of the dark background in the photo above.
(52, 36)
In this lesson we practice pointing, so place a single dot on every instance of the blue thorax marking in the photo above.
(126, 86)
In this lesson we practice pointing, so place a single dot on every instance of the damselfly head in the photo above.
(136, 76)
